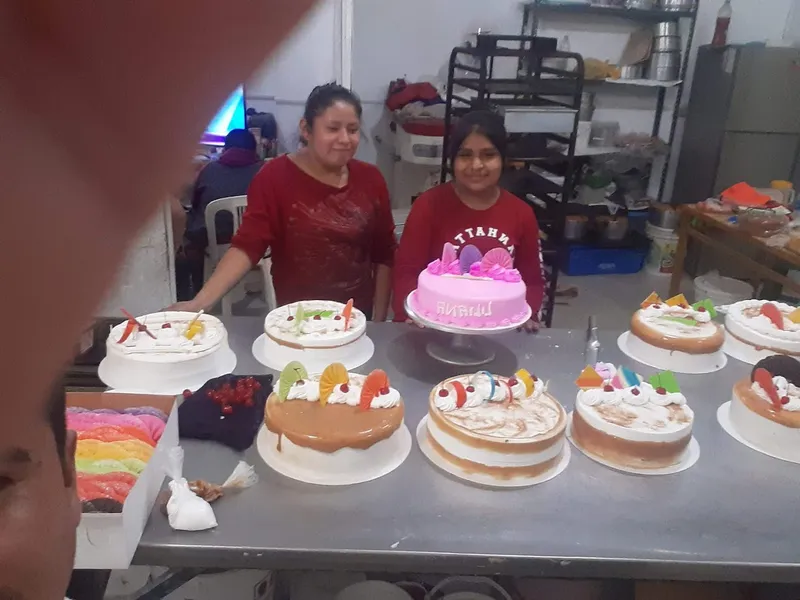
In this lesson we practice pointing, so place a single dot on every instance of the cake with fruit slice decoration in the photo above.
(764, 327)
(765, 408)
(315, 324)
(501, 427)
(469, 289)
(166, 352)
(629, 422)
(336, 422)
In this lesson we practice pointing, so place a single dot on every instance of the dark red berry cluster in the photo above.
(227, 396)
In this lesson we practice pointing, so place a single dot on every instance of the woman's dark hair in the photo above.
(482, 122)
(324, 96)
(240, 138)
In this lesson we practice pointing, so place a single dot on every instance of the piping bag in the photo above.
(186, 510)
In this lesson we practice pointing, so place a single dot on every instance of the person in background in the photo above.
(471, 209)
(325, 216)
(229, 175)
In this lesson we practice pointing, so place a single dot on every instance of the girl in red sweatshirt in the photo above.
(471, 209)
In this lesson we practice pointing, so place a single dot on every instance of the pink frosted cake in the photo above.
(471, 290)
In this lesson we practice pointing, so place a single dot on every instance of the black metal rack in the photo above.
(550, 93)
(532, 12)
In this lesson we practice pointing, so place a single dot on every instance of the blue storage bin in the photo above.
(588, 260)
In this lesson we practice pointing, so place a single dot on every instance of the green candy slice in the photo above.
(291, 374)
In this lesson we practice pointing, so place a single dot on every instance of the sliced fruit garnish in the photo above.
(682, 320)
(589, 378)
(373, 384)
(773, 313)
(291, 374)
(461, 393)
(665, 380)
(526, 380)
(130, 327)
(653, 298)
(347, 313)
(194, 329)
(333, 375)
(764, 378)
(794, 316)
(706, 305)
(679, 300)
(299, 316)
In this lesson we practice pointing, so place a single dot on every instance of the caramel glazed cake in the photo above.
(677, 328)
(638, 426)
(504, 428)
(765, 410)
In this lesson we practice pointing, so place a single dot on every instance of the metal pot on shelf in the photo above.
(666, 29)
(664, 66)
(612, 229)
(668, 43)
(640, 4)
(631, 71)
(676, 5)
(575, 227)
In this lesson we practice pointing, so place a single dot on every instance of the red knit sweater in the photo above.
(325, 240)
(438, 216)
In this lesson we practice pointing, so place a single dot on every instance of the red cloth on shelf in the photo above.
(325, 240)
(438, 216)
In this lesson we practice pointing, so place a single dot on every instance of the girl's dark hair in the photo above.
(324, 96)
(482, 122)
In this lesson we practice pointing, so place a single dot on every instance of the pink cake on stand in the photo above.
(468, 294)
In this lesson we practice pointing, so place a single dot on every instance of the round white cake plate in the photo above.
(479, 478)
(271, 354)
(746, 353)
(724, 419)
(674, 360)
(462, 349)
(225, 363)
(690, 456)
(266, 443)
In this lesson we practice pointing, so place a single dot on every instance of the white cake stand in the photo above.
(465, 347)
(271, 354)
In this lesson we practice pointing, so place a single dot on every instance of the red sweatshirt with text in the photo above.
(325, 241)
(438, 216)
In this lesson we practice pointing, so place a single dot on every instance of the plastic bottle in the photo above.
(723, 22)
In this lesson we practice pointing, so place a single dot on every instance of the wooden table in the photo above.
(693, 221)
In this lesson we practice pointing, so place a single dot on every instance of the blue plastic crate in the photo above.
(588, 260)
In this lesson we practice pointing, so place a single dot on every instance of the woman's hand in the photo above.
(530, 326)
(187, 306)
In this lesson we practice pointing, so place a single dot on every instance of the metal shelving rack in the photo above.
(532, 12)
(552, 96)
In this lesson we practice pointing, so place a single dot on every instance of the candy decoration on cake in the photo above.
(589, 378)
(794, 316)
(299, 316)
(624, 377)
(461, 393)
(194, 328)
(130, 327)
(291, 374)
(764, 379)
(780, 365)
(139, 326)
(528, 380)
(347, 313)
(769, 310)
(376, 384)
(653, 298)
(499, 257)
(333, 375)
(679, 300)
(706, 306)
(468, 257)
(449, 254)
(666, 381)
(486, 377)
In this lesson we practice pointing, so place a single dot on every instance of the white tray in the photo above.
(479, 478)
(744, 352)
(667, 360)
(271, 354)
(724, 419)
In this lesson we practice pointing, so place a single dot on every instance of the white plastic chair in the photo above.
(236, 206)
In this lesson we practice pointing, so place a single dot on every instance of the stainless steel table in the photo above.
(735, 515)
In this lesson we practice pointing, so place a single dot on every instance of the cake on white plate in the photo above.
(631, 423)
(336, 424)
(502, 428)
(762, 328)
(166, 352)
(672, 334)
(765, 408)
(315, 324)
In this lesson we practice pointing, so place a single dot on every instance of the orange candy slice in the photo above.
(527, 380)
(763, 378)
(373, 384)
(333, 375)
(653, 298)
(347, 313)
(773, 313)
(679, 300)
(589, 378)
(461, 393)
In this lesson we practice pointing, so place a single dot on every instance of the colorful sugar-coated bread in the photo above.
(134, 466)
(116, 433)
(97, 450)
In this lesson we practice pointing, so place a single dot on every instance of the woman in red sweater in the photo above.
(325, 216)
(471, 209)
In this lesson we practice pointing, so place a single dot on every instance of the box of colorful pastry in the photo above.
(120, 458)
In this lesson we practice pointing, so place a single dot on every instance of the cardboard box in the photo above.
(108, 541)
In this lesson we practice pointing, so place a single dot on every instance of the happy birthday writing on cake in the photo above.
(462, 310)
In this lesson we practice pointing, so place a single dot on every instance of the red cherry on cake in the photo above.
(345, 388)
(300, 382)
(384, 391)
(317, 317)
(290, 318)
(443, 393)
(661, 391)
(656, 306)
(785, 400)
(535, 378)
(337, 318)
(635, 391)
(701, 309)
(470, 388)
(608, 388)
(513, 381)
(166, 326)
